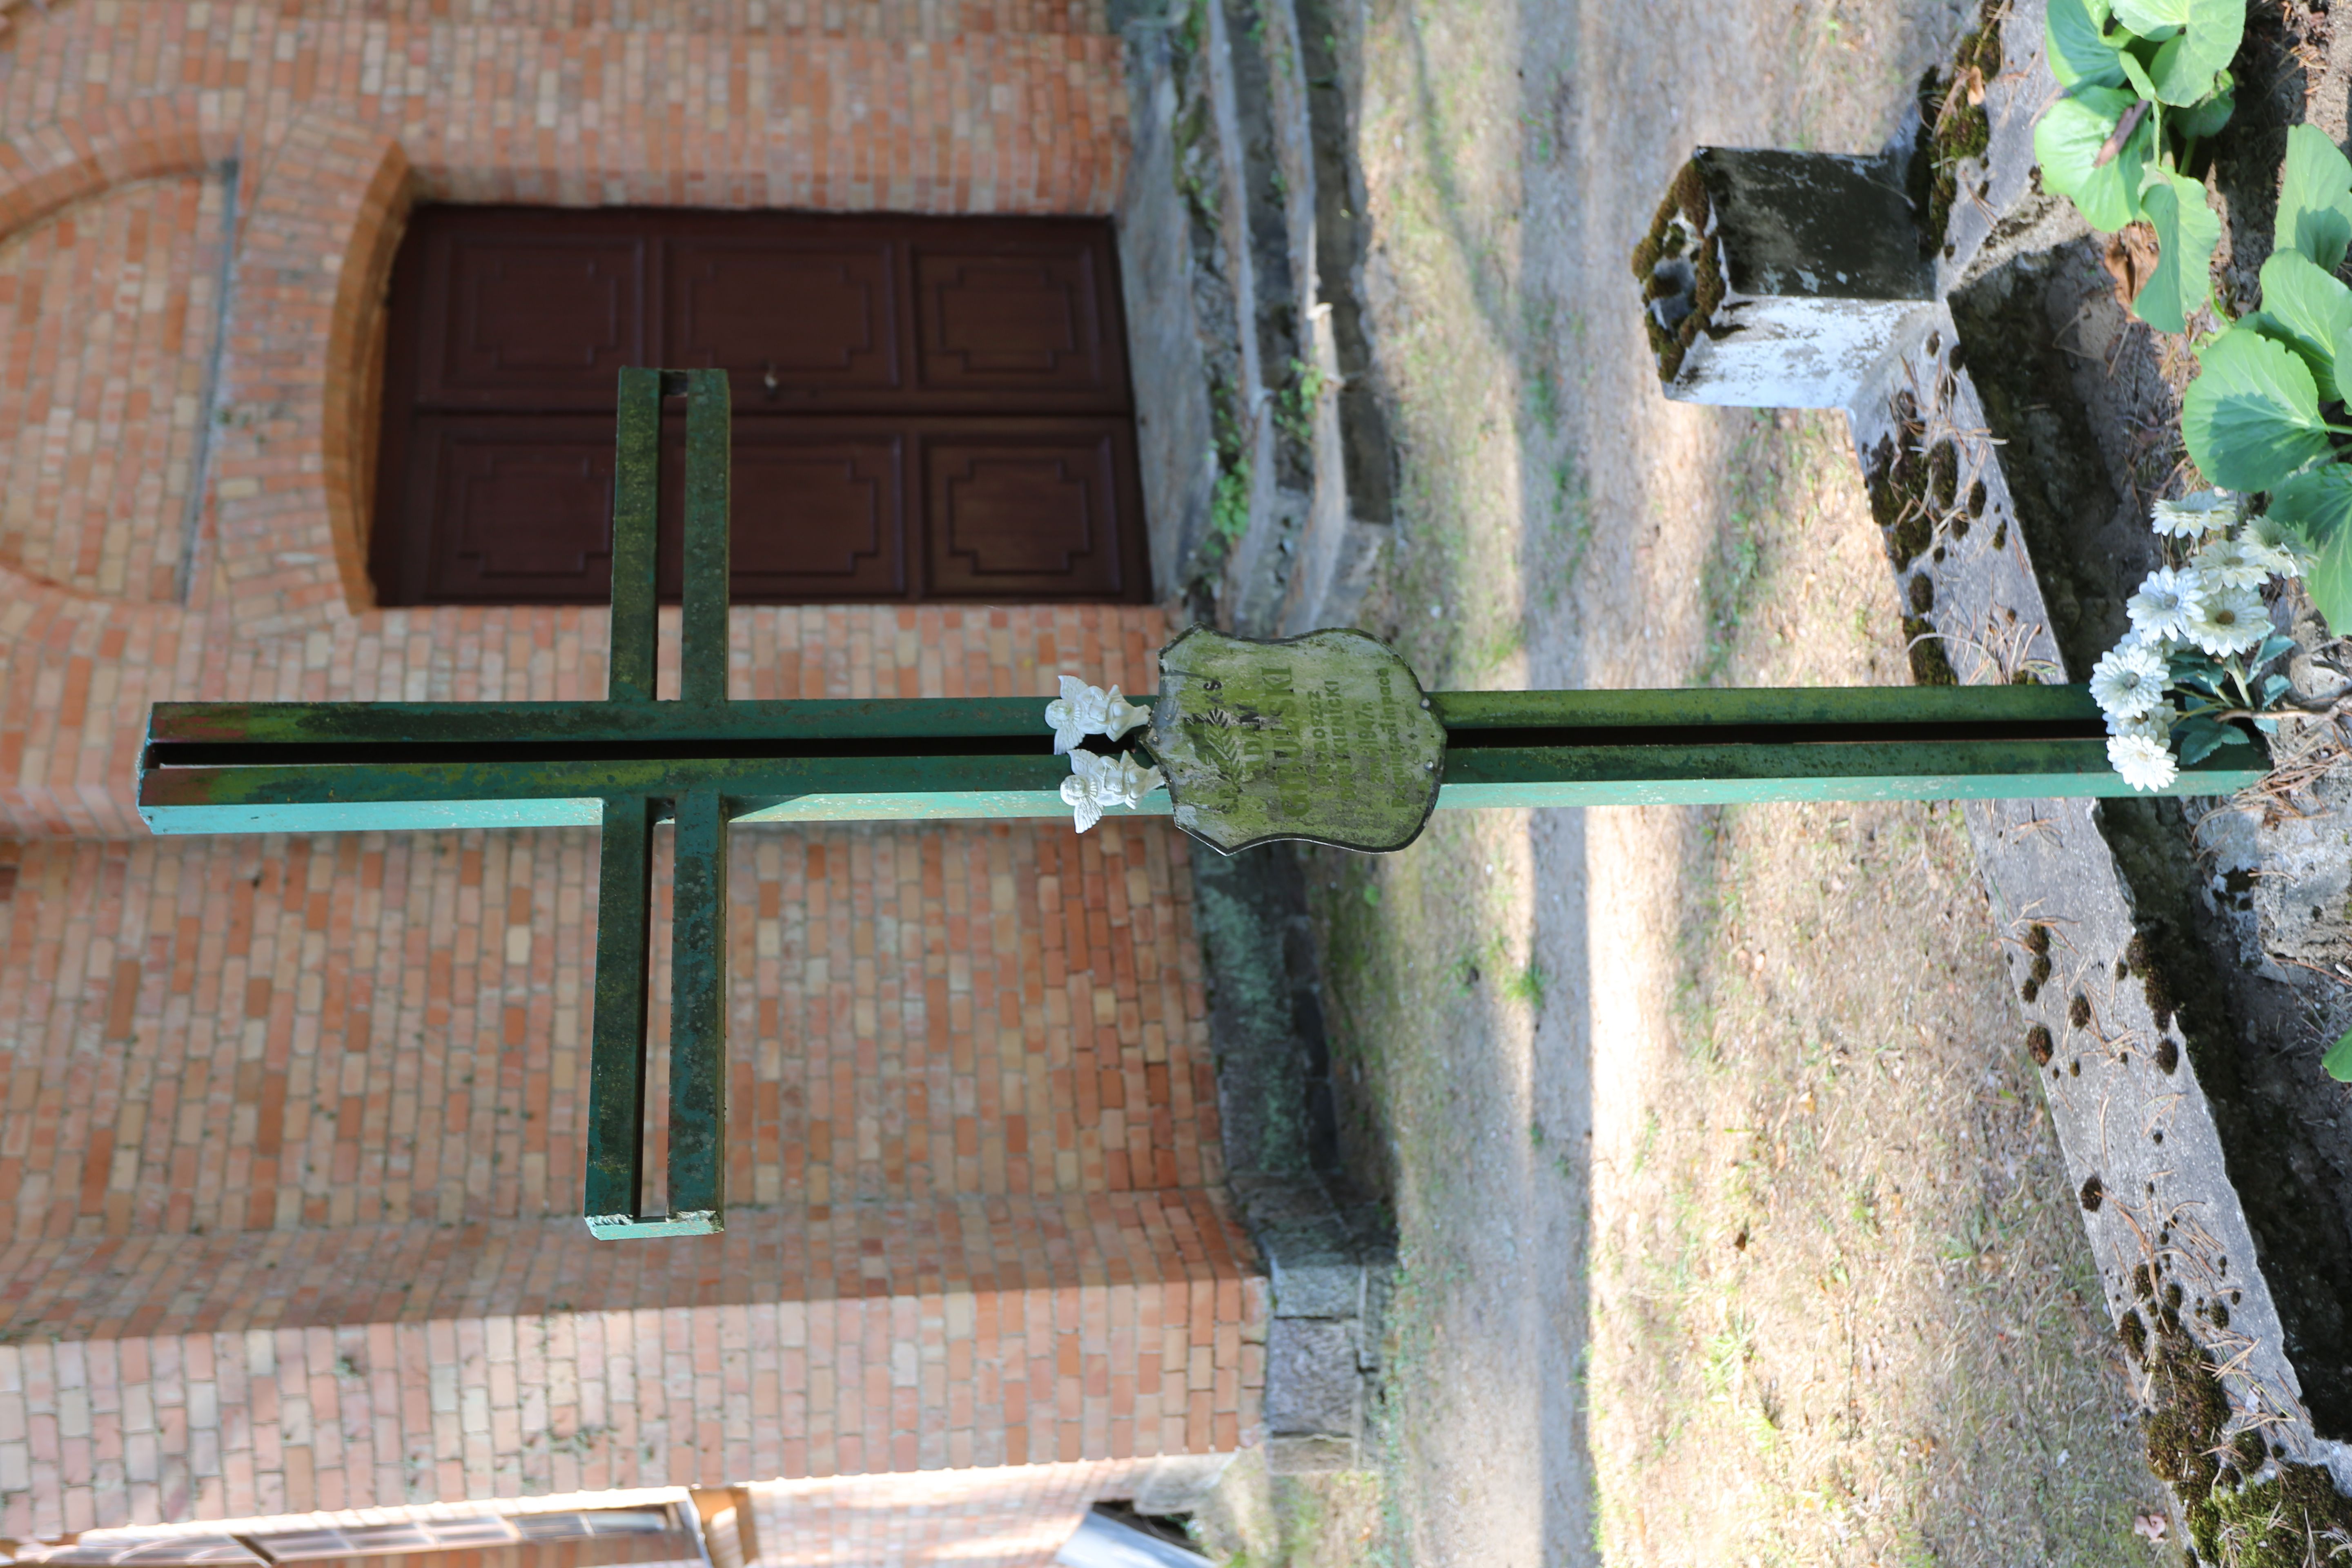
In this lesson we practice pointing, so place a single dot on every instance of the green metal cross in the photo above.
(631, 761)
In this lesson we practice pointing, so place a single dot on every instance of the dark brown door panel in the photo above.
(818, 512)
(511, 511)
(818, 516)
(795, 325)
(925, 408)
(1037, 513)
(538, 320)
(1026, 327)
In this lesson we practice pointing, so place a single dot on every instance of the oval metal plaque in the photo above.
(1326, 737)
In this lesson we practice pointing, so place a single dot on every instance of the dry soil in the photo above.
(1734, 1231)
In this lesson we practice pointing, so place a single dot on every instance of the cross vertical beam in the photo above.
(697, 1014)
(698, 1031)
(616, 1063)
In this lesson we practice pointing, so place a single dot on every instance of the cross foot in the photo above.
(707, 763)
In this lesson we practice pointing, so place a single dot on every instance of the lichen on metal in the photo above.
(1325, 738)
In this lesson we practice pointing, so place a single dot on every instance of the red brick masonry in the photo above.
(290, 1129)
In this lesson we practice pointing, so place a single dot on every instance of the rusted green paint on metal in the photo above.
(748, 782)
(631, 761)
(698, 1015)
(409, 724)
(702, 622)
(616, 1062)
(1755, 773)
(636, 490)
(1462, 711)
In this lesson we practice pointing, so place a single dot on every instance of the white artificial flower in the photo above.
(2156, 725)
(1084, 710)
(2285, 547)
(1097, 782)
(2231, 563)
(2229, 620)
(2194, 516)
(2162, 606)
(2144, 762)
(2129, 680)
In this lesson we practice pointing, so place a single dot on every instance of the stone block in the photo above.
(1312, 1382)
(1310, 1456)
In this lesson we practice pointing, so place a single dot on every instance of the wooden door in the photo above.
(925, 408)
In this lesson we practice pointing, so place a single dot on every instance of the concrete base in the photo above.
(1823, 276)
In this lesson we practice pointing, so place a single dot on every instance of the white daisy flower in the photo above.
(2144, 762)
(2287, 553)
(2232, 564)
(2194, 516)
(1083, 710)
(2161, 607)
(2155, 724)
(2129, 680)
(2229, 620)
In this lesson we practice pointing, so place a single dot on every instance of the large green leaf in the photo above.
(2315, 209)
(2181, 72)
(2208, 38)
(2080, 55)
(2186, 230)
(2317, 503)
(2199, 121)
(2150, 18)
(2330, 582)
(2337, 1062)
(2251, 417)
(2314, 313)
(2067, 144)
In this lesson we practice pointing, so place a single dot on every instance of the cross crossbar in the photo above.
(627, 763)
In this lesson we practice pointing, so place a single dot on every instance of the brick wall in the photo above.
(290, 1148)
(337, 121)
(110, 311)
(260, 1033)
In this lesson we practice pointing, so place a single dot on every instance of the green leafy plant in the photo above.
(2145, 80)
(1229, 500)
(2266, 413)
(1295, 405)
(2339, 1060)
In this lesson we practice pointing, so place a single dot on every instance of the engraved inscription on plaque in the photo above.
(1324, 737)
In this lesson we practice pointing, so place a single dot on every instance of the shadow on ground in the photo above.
(1732, 1230)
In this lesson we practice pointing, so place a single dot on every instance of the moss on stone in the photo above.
(1929, 667)
(2294, 1516)
(2237, 1518)
(1959, 129)
(1680, 235)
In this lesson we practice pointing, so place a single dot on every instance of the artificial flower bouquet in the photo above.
(2201, 637)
